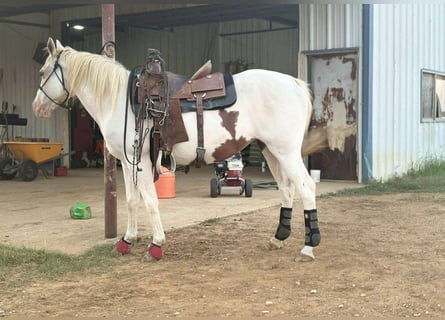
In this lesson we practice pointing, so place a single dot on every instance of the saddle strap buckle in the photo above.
(202, 96)
(200, 152)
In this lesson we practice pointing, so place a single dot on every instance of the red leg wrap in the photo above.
(123, 246)
(155, 251)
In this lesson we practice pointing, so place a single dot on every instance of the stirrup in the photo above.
(172, 168)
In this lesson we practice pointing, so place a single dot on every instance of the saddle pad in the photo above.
(214, 103)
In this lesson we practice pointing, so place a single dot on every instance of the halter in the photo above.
(62, 82)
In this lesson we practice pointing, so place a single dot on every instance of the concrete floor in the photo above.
(36, 214)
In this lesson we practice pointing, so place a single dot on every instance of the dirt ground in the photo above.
(379, 256)
(36, 214)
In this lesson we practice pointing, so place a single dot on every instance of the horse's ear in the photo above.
(58, 45)
(51, 46)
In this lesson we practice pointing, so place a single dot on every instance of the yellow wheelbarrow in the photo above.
(26, 158)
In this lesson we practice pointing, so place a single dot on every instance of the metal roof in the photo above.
(190, 15)
(9, 10)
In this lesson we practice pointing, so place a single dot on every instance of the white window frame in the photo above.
(435, 103)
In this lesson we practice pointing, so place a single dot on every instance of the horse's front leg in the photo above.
(133, 198)
(149, 195)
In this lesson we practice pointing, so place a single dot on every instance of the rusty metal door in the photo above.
(333, 77)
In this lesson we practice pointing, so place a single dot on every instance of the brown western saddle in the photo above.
(164, 96)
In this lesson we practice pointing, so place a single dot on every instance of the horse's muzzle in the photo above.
(40, 110)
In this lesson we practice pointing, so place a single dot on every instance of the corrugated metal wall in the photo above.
(273, 50)
(407, 38)
(186, 48)
(330, 26)
(21, 75)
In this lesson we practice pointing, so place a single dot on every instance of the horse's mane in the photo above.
(103, 75)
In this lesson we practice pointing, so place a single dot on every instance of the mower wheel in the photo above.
(213, 187)
(248, 188)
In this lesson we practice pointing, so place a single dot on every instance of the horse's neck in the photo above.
(87, 100)
(97, 81)
(103, 114)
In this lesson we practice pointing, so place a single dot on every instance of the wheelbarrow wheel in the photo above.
(28, 170)
(5, 172)
(214, 187)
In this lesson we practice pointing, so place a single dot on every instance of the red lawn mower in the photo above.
(229, 175)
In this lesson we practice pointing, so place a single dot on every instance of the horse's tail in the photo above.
(315, 139)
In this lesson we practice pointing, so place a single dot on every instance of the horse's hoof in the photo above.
(154, 252)
(274, 244)
(122, 246)
(306, 254)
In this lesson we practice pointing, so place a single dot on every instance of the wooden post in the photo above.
(110, 208)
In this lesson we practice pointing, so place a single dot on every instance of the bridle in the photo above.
(62, 82)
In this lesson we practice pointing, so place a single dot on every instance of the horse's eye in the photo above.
(41, 74)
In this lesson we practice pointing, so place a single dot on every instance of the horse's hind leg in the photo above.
(290, 172)
(306, 189)
(287, 190)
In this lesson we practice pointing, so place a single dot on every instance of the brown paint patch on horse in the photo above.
(229, 120)
(229, 147)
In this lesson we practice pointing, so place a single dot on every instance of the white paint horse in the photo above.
(272, 108)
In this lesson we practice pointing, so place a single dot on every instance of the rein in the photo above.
(140, 133)
(62, 82)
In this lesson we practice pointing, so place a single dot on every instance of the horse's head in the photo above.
(52, 91)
